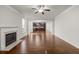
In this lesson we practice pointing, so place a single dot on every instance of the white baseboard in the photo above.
(68, 41)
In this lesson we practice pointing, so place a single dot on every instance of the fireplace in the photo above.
(10, 38)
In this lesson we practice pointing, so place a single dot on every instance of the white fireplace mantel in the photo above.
(6, 30)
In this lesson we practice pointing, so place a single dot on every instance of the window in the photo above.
(23, 22)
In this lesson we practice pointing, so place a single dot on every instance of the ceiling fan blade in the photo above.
(34, 8)
(47, 10)
(43, 13)
(36, 12)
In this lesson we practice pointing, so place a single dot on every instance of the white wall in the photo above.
(9, 17)
(67, 25)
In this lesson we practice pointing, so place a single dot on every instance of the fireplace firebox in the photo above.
(10, 38)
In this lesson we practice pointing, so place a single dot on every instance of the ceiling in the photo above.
(27, 9)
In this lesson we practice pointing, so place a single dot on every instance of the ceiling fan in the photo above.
(40, 8)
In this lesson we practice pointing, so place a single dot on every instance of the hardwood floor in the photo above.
(42, 43)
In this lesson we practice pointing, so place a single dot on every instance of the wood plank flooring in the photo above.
(42, 43)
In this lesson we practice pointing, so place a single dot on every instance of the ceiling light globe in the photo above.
(40, 10)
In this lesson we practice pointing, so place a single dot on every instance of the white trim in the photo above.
(12, 9)
(66, 10)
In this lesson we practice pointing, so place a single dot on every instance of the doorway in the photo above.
(39, 26)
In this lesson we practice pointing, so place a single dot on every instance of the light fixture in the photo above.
(41, 9)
